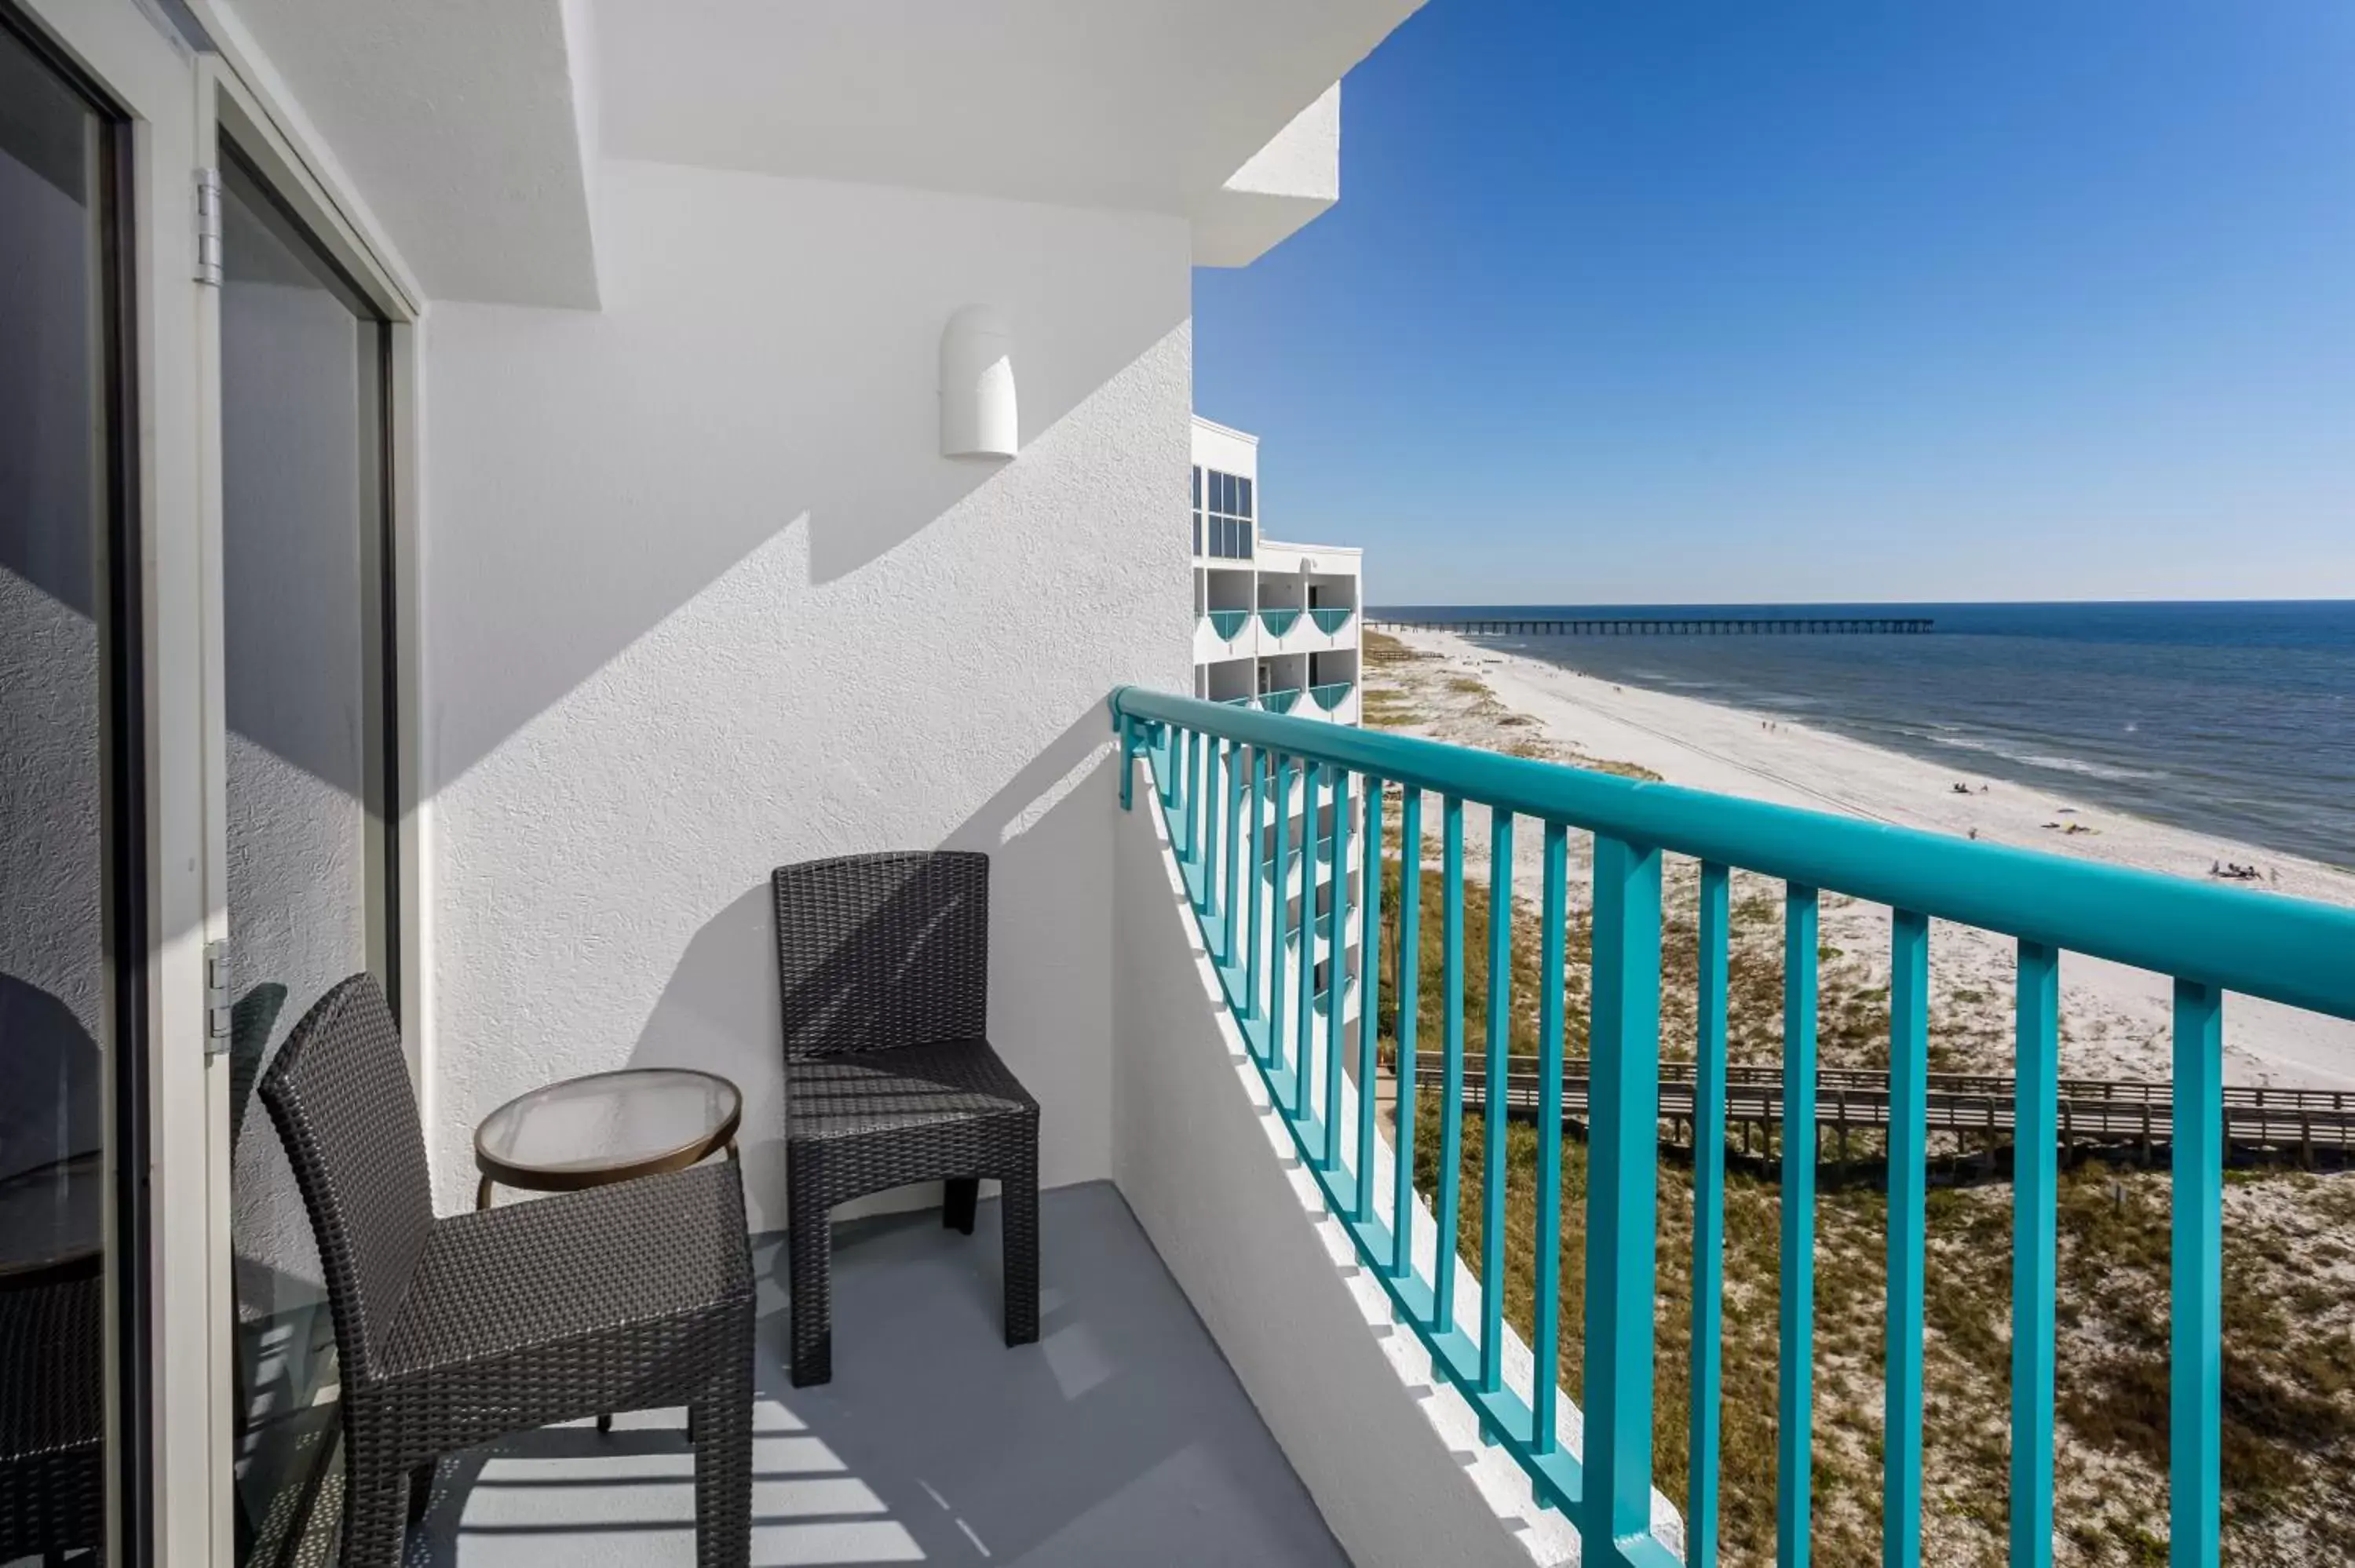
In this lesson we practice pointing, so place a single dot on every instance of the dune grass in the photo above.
(2289, 1390)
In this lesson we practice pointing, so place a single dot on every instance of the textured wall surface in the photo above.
(469, 128)
(702, 597)
(52, 1001)
(1392, 1456)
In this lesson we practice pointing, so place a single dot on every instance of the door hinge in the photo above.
(209, 227)
(217, 1007)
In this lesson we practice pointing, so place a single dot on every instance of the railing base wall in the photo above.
(1212, 1175)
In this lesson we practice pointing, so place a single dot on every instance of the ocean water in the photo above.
(2231, 718)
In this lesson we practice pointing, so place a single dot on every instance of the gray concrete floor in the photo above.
(1122, 1438)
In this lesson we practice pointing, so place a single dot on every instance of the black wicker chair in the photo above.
(457, 1332)
(884, 964)
(53, 1413)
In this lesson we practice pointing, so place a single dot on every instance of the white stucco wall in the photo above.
(701, 598)
(1392, 1456)
(295, 671)
(1223, 448)
(52, 971)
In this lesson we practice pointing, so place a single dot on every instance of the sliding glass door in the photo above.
(309, 763)
(71, 834)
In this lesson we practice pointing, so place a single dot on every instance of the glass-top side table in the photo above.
(606, 1128)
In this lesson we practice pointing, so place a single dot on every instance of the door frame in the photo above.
(275, 140)
(160, 1430)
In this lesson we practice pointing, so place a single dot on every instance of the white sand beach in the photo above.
(2116, 1019)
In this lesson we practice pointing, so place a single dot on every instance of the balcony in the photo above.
(932, 1444)
(1331, 697)
(1279, 621)
(1278, 1337)
(1331, 621)
(1435, 1245)
(1228, 623)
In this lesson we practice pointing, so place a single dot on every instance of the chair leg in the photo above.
(421, 1492)
(963, 1197)
(1019, 1203)
(809, 1259)
(722, 1424)
(376, 1524)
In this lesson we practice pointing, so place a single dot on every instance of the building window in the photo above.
(1223, 506)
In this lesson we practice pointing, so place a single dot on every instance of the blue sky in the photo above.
(1651, 301)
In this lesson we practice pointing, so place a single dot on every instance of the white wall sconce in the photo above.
(977, 409)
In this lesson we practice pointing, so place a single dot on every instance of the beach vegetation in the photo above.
(2289, 1330)
(1378, 647)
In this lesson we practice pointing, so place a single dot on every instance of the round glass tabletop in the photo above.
(608, 1126)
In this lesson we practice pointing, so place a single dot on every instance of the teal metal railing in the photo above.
(1279, 701)
(1228, 623)
(1278, 621)
(1331, 697)
(2209, 939)
(1329, 621)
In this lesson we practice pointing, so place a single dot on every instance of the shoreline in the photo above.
(2115, 1021)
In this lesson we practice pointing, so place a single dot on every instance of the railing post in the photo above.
(1214, 751)
(1410, 1001)
(1369, 987)
(1276, 913)
(1336, 927)
(1196, 801)
(1620, 1194)
(1709, 1217)
(1236, 891)
(1254, 884)
(1545, 1337)
(1794, 1491)
(2033, 1192)
(1495, 1071)
(1312, 774)
(2196, 1314)
(1908, 1046)
(1127, 761)
(1182, 754)
(1450, 1092)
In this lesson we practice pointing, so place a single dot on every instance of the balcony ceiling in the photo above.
(1150, 104)
(460, 124)
(473, 131)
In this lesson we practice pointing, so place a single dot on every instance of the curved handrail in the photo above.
(2208, 938)
(1330, 620)
(1228, 623)
(1278, 621)
(1329, 697)
(2285, 950)
(1279, 701)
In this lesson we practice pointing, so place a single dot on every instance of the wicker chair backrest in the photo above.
(339, 1095)
(881, 950)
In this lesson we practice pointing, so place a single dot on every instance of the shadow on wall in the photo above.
(1044, 833)
(744, 376)
(49, 1100)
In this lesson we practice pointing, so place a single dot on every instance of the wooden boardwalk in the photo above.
(2093, 1110)
(1669, 626)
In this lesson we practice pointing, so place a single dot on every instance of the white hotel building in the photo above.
(1275, 624)
(1272, 622)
